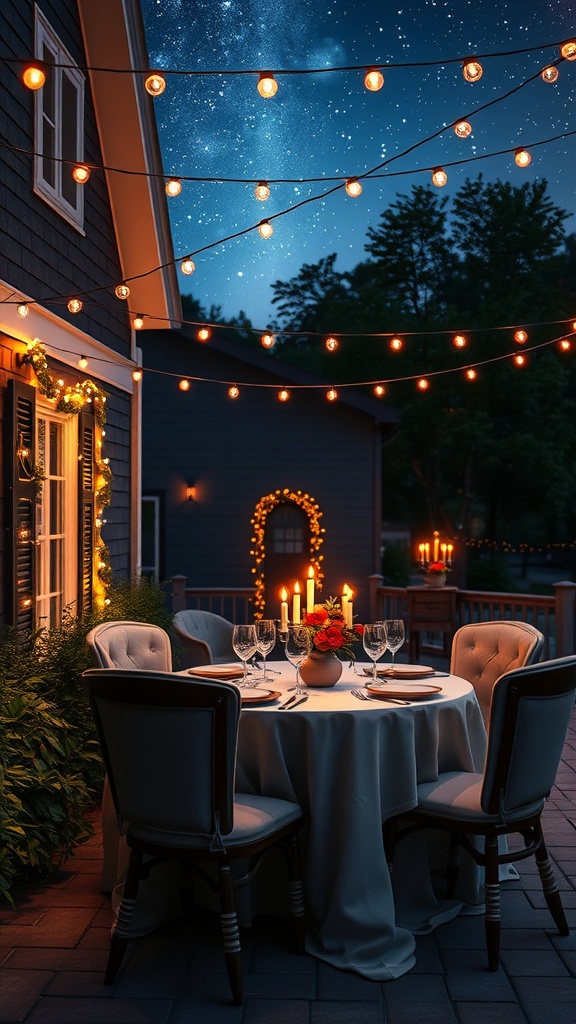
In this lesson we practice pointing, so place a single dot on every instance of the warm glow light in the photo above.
(81, 173)
(568, 49)
(520, 337)
(462, 129)
(565, 345)
(331, 394)
(34, 75)
(283, 395)
(459, 341)
(439, 177)
(187, 267)
(267, 340)
(122, 291)
(136, 375)
(332, 344)
(379, 390)
(472, 70)
(520, 359)
(522, 158)
(265, 229)
(173, 187)
(184, 385)
(233, 391)
(422, 384)
(155, 84)
(23, 309)
(550, 74)
(267, 84)
(203, 334)
(471, 373)
(74, 305)
(138, 322)
(574, 326)
(262, 191)
(353, 188)
(396, 344)
(373, 79)
(82, 362)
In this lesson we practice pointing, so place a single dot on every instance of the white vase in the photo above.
(435, 579)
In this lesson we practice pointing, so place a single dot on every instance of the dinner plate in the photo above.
(224, 672)
(412, 692)
(402, 671)
(253, 695)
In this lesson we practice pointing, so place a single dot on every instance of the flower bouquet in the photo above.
(329, 632)
(436, 574)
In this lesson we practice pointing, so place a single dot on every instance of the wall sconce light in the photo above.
(191, 493)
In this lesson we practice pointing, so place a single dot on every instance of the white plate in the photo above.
(413, 692)
(402, 671)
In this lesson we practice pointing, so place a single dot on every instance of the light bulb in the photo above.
(396, 344)
(138, 322)
(283, 395)
(267, 340)
(520, 337)
(136, 375)
(74, 305)
(439, 177)
(379, 390)
(373, 79)
(22, 309)
(422, 384)
(353, 188)
(549, 74)
(568, 49)
(471, 373)
(462, 129)
(82, 362)
(81, 173)
(262, 191)
(459, 341)
(155, 84)
(472, 70)
(122, 291)
(332, 344)
(173, 187)
(184, 385)
(565, 345)
(520, 359)
(34, 75)
(267, 84)
(233, 391)
(203, 334)
(265, 229)
(187, 267)
(522, 158)
(331, 394)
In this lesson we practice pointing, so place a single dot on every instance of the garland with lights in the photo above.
(71, 399)
(258, 551)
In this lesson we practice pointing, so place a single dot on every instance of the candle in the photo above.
(284, 609)
(344, 601)
(421, 555)
(443, 550)
(450, 550)
(427, 553)
(296, 603)
(349, 609)
(310, 590)
(436, 543)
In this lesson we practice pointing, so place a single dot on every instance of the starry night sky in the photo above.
(328, 124)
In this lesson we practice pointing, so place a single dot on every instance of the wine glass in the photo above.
(394, 635)
(245, 644)
(266, 637)
(298, 644)
(374, 641)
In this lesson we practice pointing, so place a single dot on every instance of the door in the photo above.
(287, 554)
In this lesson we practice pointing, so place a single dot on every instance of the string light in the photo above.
(332, 344)
(233, 391)
(439, 177)
(459, 341)
(74, 305)
(396, 344)
(262, 191)
(265, 229)
(265, 506)
(138, 322)
(373, 79)
(471, 373)
(423, 384)
(520, 359)
(81, 173)
(522, 158)
(520, 337)
(267, 340)
(550, 74)
(23, 309)
(568, 49)
(34, 75)
(82, 362)
(267, 85)
(136, 375)
(331, 394)
(379, 390)
(122, 291)
(353, 188)
(565, 345)
(283, 395)
(472, 70)
(187, 267)
(184, 385)
(155, 84)
(462, 129)
(173, 187)
(203, 334)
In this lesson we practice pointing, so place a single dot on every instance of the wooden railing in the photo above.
(232, 603)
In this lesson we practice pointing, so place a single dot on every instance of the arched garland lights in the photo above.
(258, 551)
(71, 399)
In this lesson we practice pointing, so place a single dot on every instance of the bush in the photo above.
(396, 565)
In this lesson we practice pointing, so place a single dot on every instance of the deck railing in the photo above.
(233, 603)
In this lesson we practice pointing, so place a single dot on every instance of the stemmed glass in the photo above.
(394, 635)
(266, 637)
(245, 644)
(298, 645)
(374, 640)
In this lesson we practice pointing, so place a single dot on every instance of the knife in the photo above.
(296, 703)
(286, 703)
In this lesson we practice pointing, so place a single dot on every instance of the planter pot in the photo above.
(320, 669)
(435, 579)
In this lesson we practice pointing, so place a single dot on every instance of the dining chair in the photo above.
(529, 717)
(483, 651)
(169, 745)
(205, 637)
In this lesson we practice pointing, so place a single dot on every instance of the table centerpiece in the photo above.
(436, 574)
(331, 642)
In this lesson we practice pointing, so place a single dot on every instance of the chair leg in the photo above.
(453, 866)
(551, 892)
(121, 928)
(296, 893)
(492, 915)
(230, 933)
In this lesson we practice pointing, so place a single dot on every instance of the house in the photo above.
(251, 490)
(69, 406)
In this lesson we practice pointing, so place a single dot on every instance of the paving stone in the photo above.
(483, 1013)
(348, 1013)
(271, 1011)
(100, 1011)
(19, 992)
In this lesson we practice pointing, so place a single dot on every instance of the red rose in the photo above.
(359, 629)
(329, 639)
(316, 618)
(338, 619)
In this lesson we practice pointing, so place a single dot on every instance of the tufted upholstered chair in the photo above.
(483, 651)
(205, 637)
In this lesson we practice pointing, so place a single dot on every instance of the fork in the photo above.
(364, 696)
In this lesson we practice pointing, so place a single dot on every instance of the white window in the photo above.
(59, 126)
(150, 558)
(56, 517)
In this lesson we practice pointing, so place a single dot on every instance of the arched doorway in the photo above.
(287, 539)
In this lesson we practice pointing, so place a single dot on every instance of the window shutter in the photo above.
(20, 429)
(86, 510)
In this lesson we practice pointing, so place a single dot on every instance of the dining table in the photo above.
(351, 763)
